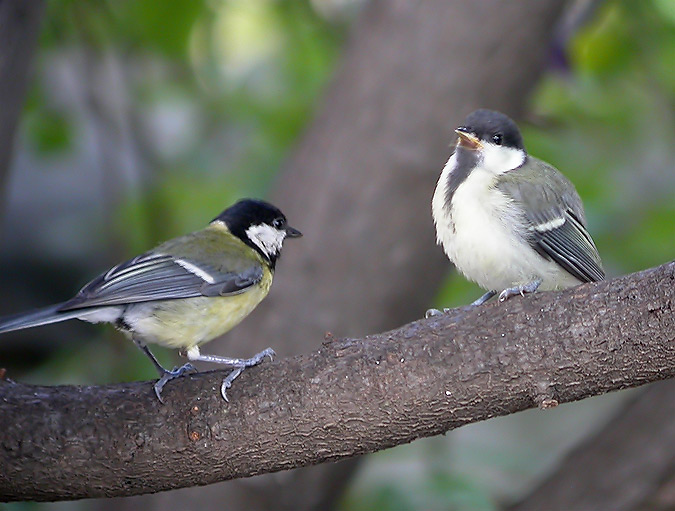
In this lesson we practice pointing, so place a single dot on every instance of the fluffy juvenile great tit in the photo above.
(186, 291)
(507, 220)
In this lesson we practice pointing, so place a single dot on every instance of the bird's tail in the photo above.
(38, 317)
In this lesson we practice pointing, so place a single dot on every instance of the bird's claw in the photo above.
(250, 362)
(176, 372)
(435, 312)
(430, 313)
(227, 382)
(258, 358)
(521, 290)
(508, 293)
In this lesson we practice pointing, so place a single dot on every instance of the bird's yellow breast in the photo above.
(190, 322)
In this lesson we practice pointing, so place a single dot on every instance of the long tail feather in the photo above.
(38, 317)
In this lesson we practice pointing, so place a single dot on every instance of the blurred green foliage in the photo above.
(436, 491)
(49, 131)
(234, 82)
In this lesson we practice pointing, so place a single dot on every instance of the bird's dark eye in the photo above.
(497, 138)
(278, 223)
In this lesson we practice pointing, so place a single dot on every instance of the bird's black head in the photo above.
(260, 225)
(492, 127)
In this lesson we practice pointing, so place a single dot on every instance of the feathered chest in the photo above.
(479, 227)
(477, 216)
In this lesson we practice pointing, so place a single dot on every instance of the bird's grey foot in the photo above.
(167, 376)
(259, 357)
(521, 290)
(227, 382)
(430, 313)
(237, 364)
(484, 298)
(249, 362)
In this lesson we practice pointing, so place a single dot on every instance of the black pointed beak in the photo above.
(292, 233)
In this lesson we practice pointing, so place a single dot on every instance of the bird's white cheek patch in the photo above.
(500, 159)
(266, 238)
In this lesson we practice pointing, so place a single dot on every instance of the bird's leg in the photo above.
(484, 298)
(165, 375)
(430, 313)
(239, 364)
(521, 290)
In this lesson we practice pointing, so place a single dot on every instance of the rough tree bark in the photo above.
(626, 466)
(19, 24)
(351, 397)
(359, 186)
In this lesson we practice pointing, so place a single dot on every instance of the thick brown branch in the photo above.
(350, 397)
(625, 466)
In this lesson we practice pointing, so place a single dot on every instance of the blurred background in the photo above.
(142, 120)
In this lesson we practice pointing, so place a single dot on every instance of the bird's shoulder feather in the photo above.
(554, 217)
(210, 262)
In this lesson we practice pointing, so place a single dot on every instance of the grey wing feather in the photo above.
(571, 247)
(154, 276)
(235, 284)
(557, 221)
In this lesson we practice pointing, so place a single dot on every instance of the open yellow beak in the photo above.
(468, 140)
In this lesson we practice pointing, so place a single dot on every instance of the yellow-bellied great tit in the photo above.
(509, 221)
(186, 291)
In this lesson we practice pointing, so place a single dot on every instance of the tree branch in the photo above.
(350, 397)
(627, 465)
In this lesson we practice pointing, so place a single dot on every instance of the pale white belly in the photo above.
(481, 239)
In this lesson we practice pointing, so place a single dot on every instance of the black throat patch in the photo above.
(466, 162)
